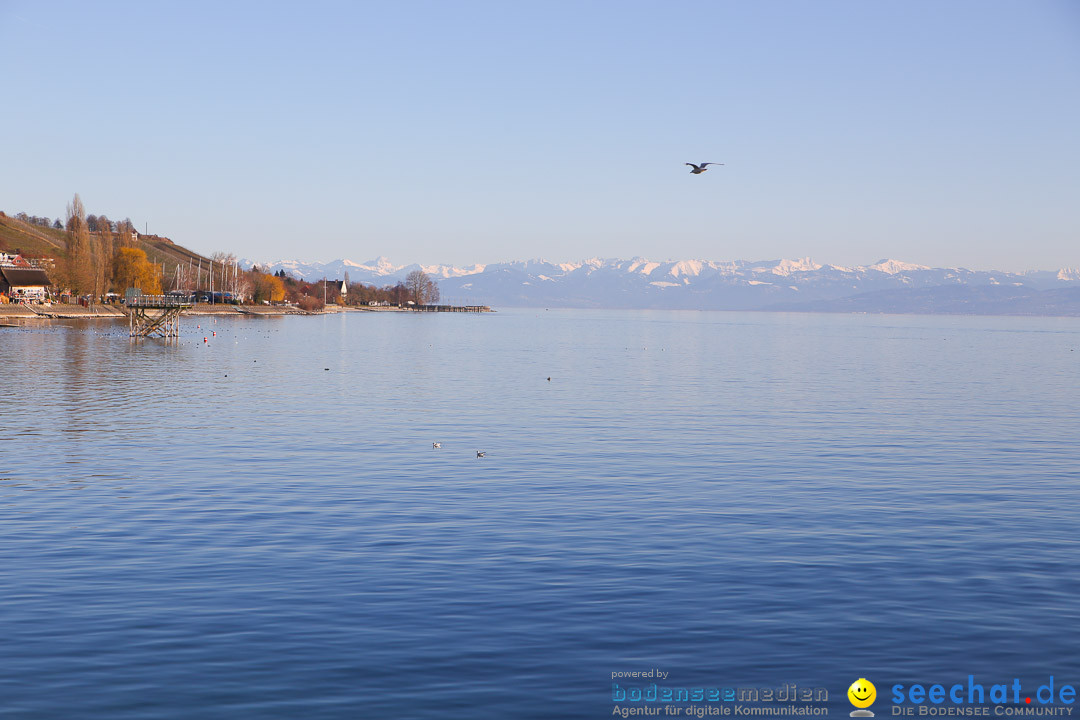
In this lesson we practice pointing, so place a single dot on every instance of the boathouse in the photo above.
(24, 283)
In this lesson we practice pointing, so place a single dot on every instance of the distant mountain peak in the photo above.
(895, 266)
(449, 271)
(787, 267)
(689, 268)
(381, 265)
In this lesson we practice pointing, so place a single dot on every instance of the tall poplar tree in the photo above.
(80, 256)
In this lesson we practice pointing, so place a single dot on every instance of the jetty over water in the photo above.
(150, 315)
(453, 308)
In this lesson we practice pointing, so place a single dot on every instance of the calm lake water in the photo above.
(259, 527)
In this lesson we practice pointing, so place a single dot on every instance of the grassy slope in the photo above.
(36, 241)
(159, 249)
(32, 240)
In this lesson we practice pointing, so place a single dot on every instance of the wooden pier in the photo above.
(453, 308)
(150, 315)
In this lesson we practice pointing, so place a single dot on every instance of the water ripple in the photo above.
(230, 529)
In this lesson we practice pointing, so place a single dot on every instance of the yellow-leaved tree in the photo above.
(131, 269)
(268, 287)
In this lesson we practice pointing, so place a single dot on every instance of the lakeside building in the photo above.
(23, 283)
(17, 260)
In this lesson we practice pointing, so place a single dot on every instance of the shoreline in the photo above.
(15, 311)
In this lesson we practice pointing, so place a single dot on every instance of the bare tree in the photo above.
(421, 288)
(99, 260)
(126, 232)
(108, 249)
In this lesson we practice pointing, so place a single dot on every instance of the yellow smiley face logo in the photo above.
(862, 693)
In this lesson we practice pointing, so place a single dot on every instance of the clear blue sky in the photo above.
(938, 132)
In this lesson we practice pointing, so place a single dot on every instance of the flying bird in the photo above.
(480, 454)
(698, 169)
(436, 445)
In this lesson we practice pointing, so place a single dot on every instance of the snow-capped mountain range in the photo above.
(885, 286)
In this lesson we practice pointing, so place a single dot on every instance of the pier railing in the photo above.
(453, 308)
(160, 301)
